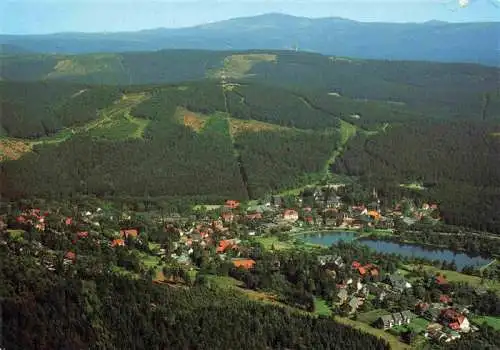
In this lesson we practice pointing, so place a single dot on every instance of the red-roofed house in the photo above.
(455, 320)
(440, 280)
(356, 264)
(68, 221)
(309, 219)
(83, 234)
(21, 219)
(118, 243)
(224, 245)
(244, 263)
(129, 232)
(361, 270)
(69, 257)
(290, 215)
(232, 204)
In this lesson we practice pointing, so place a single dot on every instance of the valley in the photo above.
(278, 199)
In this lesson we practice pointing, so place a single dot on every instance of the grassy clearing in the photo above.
(489, 320)
(347, 131)
(16, 233)
(85, 64)
(238, 66)
(321, 307)
(393, 341)
(217, 123)
(11, 149)
(370, 316)
(115, 130)
(269, 241)
(238, 126)
(453, 276)
(114, 122)
(195, 121)
(419, 324)
(413, 186)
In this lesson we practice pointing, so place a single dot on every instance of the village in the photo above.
(229, 232)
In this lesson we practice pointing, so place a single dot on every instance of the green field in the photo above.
(321, 308)
(419, 324)
(489, 320)
(238, 66)
(453, 276)
(371, 316)
(269, 241)
(393, 341)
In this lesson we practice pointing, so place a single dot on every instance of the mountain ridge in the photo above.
(474, 42)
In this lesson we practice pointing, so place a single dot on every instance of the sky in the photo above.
(50, 16)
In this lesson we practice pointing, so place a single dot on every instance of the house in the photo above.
(228, 216)
(342, 295)
(244, 263)
(398, 282)
(69, 258)
(290, 215)
(398, 319)
(339, 262)
(395, 319)
(325, 259)
(432, 313)
(225, 244)
(454, 320)
(445, 299)
(421, 308)
(333, 202)
(232, 204)
(277, 201)
(407, 316)
(83, 234)
(440, 280)
(385, 322)
(360, 210)
(118, 243)
(355, 303)
(68, 221)
(129, 232)
(375, 215)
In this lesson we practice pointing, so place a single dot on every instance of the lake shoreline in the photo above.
(384, 244)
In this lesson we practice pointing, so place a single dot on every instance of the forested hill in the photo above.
(430, 41)
(77, 309)
(435, 89)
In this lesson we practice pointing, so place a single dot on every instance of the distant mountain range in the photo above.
(429, 41)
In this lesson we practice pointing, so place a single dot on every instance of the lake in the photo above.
(409, 250)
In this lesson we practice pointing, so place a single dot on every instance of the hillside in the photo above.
(176, 141)
(430, 41)
(246, 124)
(428, 89)
(456, 163)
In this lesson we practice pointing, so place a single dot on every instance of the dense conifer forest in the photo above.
(456, 161)
(44, 310)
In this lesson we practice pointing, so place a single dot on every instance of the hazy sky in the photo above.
(48, 16)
